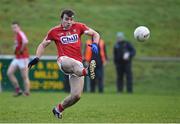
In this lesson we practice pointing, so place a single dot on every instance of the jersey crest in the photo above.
(69, 39)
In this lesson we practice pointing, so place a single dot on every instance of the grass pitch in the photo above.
(156, 97)
(107, 108)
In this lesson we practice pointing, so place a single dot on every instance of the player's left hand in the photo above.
(94, 47)
(33, 62)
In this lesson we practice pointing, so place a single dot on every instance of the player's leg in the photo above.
(76, 85)
(23, 63)
(79, 70)
(25, 77)
(75, 66)
(10, 73)
(76, 80)
(72, 66)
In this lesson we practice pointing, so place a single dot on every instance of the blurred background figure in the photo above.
(123, 54)
(66, 84)
(101, 59)
(20, 61)
(0, 88)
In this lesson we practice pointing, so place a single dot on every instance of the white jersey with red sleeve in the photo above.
(21, 38)
(68, 42)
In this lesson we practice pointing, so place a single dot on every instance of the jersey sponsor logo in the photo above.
(69, 39)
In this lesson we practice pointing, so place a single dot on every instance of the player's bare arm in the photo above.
(94, 34)
(95, 37)
(39, 52)
(41, 47)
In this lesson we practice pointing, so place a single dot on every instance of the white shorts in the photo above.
(20, 63)
(69, 62)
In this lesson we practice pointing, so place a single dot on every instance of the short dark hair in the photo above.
(15, 22)
(68, 12)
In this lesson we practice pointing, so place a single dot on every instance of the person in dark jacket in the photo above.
(123, 54)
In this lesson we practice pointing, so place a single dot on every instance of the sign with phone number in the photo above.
(45, 76)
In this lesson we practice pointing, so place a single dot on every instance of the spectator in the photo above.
(123, 54)
(100, 59)
(66, 84)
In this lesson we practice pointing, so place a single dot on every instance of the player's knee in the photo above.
(78, 73)
(81, 72)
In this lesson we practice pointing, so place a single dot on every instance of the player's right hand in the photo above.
(94, 47)
(33, 62)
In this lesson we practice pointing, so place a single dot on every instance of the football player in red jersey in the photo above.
(20, 61)
(67, 37)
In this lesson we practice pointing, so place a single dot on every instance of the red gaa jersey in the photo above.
(21, 38)
(68, 42)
